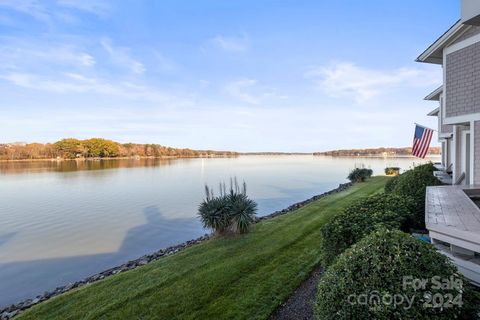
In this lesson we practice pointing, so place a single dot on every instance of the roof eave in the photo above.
(428, 56)
(435, 95)
(434, 112)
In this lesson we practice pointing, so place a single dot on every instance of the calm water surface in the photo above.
(63, 221)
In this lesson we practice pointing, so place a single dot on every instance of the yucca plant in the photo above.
(214, 214)
(231, 211)
(242, 212)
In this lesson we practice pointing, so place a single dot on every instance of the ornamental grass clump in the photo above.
(359, 174)
(230, 212)
(391, 275)
(361, 218)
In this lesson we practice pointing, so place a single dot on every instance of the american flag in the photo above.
(421, 141)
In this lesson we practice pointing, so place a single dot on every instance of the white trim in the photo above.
(434, 95)
(462, 119)
(445, 135)
(454, 154)
(443, 96)
(462, 44)
(472, 152)
(434, 112)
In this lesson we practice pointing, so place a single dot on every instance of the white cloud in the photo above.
(121, 57)
(48, 12)
(239, 89)
(97, 7)
(74, 83)
(15, 54)
(30, 7)
(163, 63)
(346, 79)
(231, 44)
(248, 90)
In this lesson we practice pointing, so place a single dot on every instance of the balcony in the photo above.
(453, 221)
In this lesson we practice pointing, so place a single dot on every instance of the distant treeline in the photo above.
(376, 152)
(97, 148)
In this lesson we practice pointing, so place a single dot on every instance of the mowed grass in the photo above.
(244, 277)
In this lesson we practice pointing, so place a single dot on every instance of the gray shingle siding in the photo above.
(463, 81)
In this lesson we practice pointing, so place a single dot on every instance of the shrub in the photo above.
(229, 212)
(427, 167)
(413, 184)
(361, 282)
(360, 219)
(390, 184)
(392, 171)
(359, 174)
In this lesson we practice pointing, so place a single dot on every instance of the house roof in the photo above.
(434, 112)
(434, 53)
(435, 95)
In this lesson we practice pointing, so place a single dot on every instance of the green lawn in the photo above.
(245, 277)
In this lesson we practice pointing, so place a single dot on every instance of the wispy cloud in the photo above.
(49, 12)
(73, 83)
(29, 55)
(121, 56)
(32, 8)
(97, 7)
(231, 43)
(345, 79)
(163, 63)
(248, 90)
(239, 89)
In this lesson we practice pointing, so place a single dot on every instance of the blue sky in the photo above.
(246, 75)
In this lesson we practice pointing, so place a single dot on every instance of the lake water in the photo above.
(63, 221)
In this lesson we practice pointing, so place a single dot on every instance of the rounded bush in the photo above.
(413, 184)
(361, 218)
(374, 279)
(359, 174)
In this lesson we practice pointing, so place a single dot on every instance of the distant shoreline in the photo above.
(215, 157)
(381, 152)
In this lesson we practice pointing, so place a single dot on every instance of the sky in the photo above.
(243, 75)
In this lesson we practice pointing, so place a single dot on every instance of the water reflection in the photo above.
(20, 167)
(26, 279)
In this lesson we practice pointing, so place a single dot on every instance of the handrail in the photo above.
(460, 179)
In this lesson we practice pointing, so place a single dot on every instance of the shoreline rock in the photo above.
(13, 310)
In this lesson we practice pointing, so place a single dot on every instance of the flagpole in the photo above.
(424, 127)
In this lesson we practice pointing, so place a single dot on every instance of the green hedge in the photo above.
(361, 218)
(413, 184)
(376, 267)
(391, 183)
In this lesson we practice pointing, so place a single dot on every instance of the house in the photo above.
(452, 214)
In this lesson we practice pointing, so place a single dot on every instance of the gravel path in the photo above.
(300, 304)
